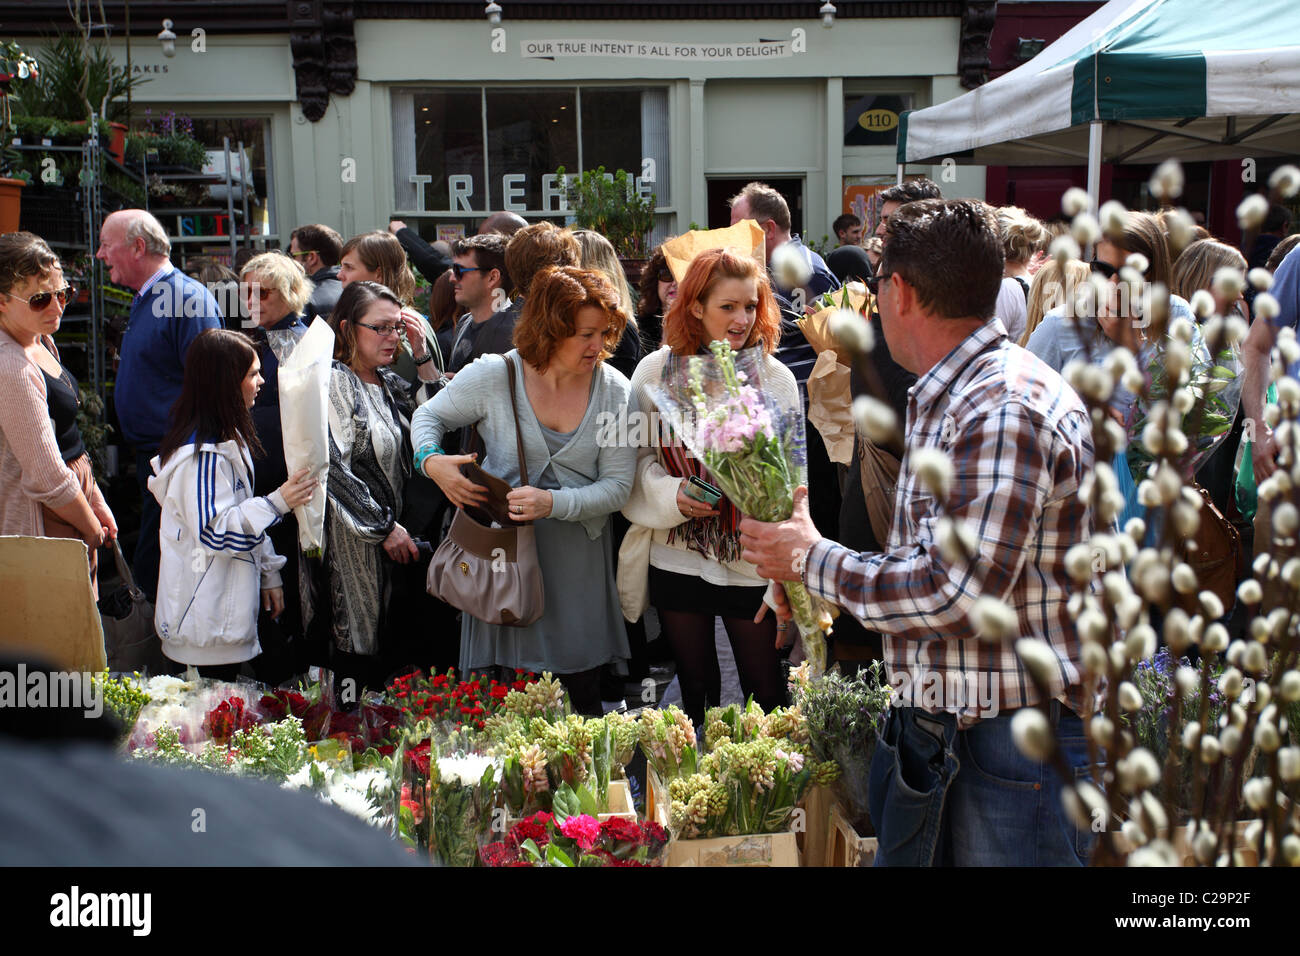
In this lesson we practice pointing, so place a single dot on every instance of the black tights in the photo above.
(690, 635)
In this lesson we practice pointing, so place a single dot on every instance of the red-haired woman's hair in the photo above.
(684, 333)
(550, 312)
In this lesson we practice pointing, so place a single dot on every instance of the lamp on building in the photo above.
(828, 14)
(167, 39)
(1028, 48)
(493, 12)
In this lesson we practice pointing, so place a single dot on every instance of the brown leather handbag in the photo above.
(487, 565)
(1216, 554)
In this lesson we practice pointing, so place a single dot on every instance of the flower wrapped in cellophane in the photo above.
(462, 793)
(754, 452)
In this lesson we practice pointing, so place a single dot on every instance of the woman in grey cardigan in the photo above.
(568, 397)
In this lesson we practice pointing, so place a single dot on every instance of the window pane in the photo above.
(622, 129)
(449, 142)
(530, 133)
(872, 119)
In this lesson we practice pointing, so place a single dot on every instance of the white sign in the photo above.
(656, 49)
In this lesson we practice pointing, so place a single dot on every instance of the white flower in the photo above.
(1138, 262)
(1145, 769)
(1288, 389)
(874, 419)
(1191, 735)
(993, 620)
(1063, 249)
(1133, 832)
(790, 267)
(1032, 734)
(1181, 229)
(1235, 330)
(1114, 219)
(1254, 658)
(1130, 698)
(1252, 211)
(852, 331)
(1075, 201)
(1260, 278)
(1215, 640)
(935, 470)
(1211, 749)
(1184, 579)
(1266, 306)
(1288, 764)
(466, 770)
(1286, 519)
(1288, 687)
(1291, 849)
(1091, 625)
(1183, 400)
(1094, 658)
(1211, 604)
(1136, 529)
(1228, 283)
(1285, 181)
(1141, 643)
(1167, 180)
(1039, 659)
(1202, 304)
(957, 542)
(1267, 738)
(1258, 792)
(1085, 229)
(1230, 683)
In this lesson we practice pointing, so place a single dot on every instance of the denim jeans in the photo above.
(148, 552)
(940, 796)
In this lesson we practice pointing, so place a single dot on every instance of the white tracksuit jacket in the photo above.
(216, 556)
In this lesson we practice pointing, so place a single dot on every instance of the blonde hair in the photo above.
(1022, 234)
(598, 254)
(286, 276)
(1195, 268)
(1052, 283)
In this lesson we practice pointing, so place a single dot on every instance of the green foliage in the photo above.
(76, 78)
(94, 433)
(614, 209)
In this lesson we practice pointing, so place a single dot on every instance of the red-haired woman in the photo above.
(216, 555)
(569, 403)
(695, 570)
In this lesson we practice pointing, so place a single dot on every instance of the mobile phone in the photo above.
(702, 491)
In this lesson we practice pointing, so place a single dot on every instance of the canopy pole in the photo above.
(1094, 163)
(899, 179)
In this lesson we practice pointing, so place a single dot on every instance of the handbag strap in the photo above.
(519, 434)
(124, 569)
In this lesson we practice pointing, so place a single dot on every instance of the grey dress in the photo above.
(590, 478)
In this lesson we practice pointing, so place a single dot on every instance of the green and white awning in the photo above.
(1190, 79)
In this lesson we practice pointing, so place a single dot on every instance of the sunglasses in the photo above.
(41, 300)
(1103, 269)
(383, 331)
(301, 255)
(666, 275)
(872, 283)
(459, 271)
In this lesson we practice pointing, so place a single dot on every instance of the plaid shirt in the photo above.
(1020, 442)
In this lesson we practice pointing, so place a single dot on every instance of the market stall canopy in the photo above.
(1189, 79)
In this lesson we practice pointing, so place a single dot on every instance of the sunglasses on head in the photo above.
(459, 271)
(1103, 269)
(666, 275)
(41, 300)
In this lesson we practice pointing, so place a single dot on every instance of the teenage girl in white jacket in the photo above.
(215, 552)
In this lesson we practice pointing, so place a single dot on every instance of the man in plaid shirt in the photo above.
(947, 783)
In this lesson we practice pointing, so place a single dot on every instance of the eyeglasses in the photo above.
(666, 275)
(301, 255)
(872, 283)
(1103, 269)
(459, 271)
(41, 300)
(383, 331)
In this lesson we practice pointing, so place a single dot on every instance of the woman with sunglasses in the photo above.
(658, 289)
(47, 487)
(379, 257)
(370, 463)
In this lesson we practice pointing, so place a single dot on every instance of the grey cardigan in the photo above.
(595, 473)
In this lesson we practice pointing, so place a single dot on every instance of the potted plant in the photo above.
(16, 68)
(615, 209)
(169, 143)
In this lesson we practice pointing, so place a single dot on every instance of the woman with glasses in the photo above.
(276, 292)
(369, 429)
(379, 257)
(47, 488)
(658, 288)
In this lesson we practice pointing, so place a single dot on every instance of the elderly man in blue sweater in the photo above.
(169, 310)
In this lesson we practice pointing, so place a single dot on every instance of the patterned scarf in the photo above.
(717, 538)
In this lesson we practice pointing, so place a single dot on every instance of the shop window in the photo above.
(871, 119)
(530, 133)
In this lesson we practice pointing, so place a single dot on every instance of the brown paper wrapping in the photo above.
(745, 237)
(830, 405)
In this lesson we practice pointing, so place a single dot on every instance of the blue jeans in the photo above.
(940, 796)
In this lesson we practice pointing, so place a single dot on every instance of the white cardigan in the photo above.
(652, 507)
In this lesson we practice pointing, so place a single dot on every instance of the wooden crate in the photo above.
(755, 849)
(620, 802)
(844, 847)
(815, 832)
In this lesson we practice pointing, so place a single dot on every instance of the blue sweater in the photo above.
(163, 323)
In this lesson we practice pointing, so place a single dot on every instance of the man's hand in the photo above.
(395, 226)
(778, 550)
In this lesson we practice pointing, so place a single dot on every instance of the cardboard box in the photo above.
(47, 606)
(755, 849)
(845, 847)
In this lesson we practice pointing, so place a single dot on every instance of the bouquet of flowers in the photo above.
(124, 697)
(843, 716)
(462, 791)
(668, 741)
(364, 794)
(570, 837)
(753, 450)
(750, 787)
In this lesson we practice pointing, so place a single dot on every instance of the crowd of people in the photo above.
(533, 336)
